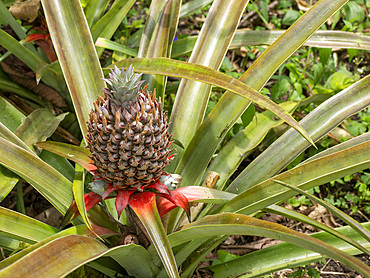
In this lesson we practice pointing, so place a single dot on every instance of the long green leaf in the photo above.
(200, 73)
(230, 107)
(50, 183)
(229, 223)
(77, 154)
(115, 46)
(75, 230)
(145, 207)
(365, 233)
(230, 157)
(210, 49)
(151, 24)
(108, 24)
(76, 54)
(161, 42)
(308, 220)
(318, 123)
(285, 255)
(19, 226)
(305, 176)
(78, 192)
(342, 146)
(244, 37)
(10, 119)
(55, 259)
(38, 126)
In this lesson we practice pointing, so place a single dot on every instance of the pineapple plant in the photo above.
(128, 133)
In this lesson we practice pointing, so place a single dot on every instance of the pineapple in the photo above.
(128, 133)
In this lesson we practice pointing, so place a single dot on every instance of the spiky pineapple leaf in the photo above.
(19, 226)
(78, 192)
(61, 254)
(243, 38)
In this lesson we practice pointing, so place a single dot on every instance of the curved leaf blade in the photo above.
(77, 154)
(284, 255)
(308, 175)
(78, 192)
(365, 233)
(19, 226)
(308, 220)
(56, 258)
(75, 230)
(56, 188)
(231, 106)
(145, 207)
(229, 223)
(318, 123)
(203, 74)
(321, 38)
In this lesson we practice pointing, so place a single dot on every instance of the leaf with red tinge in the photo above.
(178, 199)
(164, 206)
(204, 194)
(35, 37)
(108, 191)
(122, 200)
(75, 153)
(101, 231)
(91, 199)
(195, 193)
(144, 205)
(160, 187)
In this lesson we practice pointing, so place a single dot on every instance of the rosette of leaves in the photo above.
(173, 242)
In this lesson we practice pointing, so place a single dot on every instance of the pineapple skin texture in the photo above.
(128, 135)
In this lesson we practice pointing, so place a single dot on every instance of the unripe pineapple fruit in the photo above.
(128, 133)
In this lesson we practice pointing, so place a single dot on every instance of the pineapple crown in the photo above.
(123, 85)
